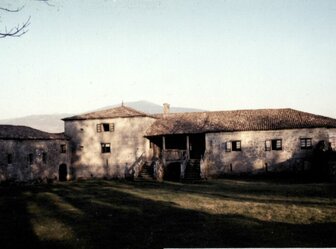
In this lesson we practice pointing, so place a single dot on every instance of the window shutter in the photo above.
(268, 145)
(111, 127)
(228, 146)
(303, 143)
(99, 127)
(236, 145)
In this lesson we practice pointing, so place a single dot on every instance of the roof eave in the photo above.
(99, 118)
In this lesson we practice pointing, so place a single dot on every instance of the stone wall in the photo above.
(253, 158)
(42, 166)
(127, 144)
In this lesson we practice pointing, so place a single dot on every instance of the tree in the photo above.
(19, 29)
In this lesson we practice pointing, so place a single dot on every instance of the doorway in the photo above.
(172, 172)
(62, 172)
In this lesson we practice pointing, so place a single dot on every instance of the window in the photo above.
(274, 144)
(233, 146)
(44, 157)
(306, 143)
(236, 145)
(30, 158)
(9, 158)
(105, 127)
(106, 148)
(63, 148)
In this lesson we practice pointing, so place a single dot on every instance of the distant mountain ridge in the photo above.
(53, 122)
(50, 122)
(150, 108)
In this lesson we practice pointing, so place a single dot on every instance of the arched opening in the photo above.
(62, 172)
(173, 172)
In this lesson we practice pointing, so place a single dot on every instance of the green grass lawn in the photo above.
(121, 214)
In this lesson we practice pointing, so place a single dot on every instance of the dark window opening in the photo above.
(236, 145)
(306, 143)
(9, 158)
(44, 157)
(276, 144)
(63, 148)
(106, 148)
(106, 127)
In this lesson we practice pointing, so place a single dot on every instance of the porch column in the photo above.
(164, 150)
(188, 148)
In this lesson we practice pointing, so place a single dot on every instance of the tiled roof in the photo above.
(117, 112)
(26, 133)
(240, 120)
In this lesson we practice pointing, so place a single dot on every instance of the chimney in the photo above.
(166, 109)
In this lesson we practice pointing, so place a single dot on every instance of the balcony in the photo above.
(174, 154)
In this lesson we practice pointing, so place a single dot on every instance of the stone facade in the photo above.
(32, 159)
(124, 138)
(253, 157)
(119, 142)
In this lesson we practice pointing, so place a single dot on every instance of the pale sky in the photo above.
(207, 54)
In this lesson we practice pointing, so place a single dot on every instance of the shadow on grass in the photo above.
(15, 228)
(312, 194)
(95, 214)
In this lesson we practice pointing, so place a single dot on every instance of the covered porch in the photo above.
(179, 154)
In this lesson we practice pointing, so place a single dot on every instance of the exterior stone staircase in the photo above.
(146, 172)
(192, 171)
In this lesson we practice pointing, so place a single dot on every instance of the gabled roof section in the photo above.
(240, 120)
(14, 132)
(117, 112)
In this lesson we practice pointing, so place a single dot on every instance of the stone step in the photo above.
(146, 172)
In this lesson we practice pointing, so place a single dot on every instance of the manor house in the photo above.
(125, 143)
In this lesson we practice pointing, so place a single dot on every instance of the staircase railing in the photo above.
(136, 167)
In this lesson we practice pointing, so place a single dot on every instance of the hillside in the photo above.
(50, 123)
(53, 122)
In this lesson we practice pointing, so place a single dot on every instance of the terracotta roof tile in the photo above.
(26, 133)
(240, 120)
(117, 112)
